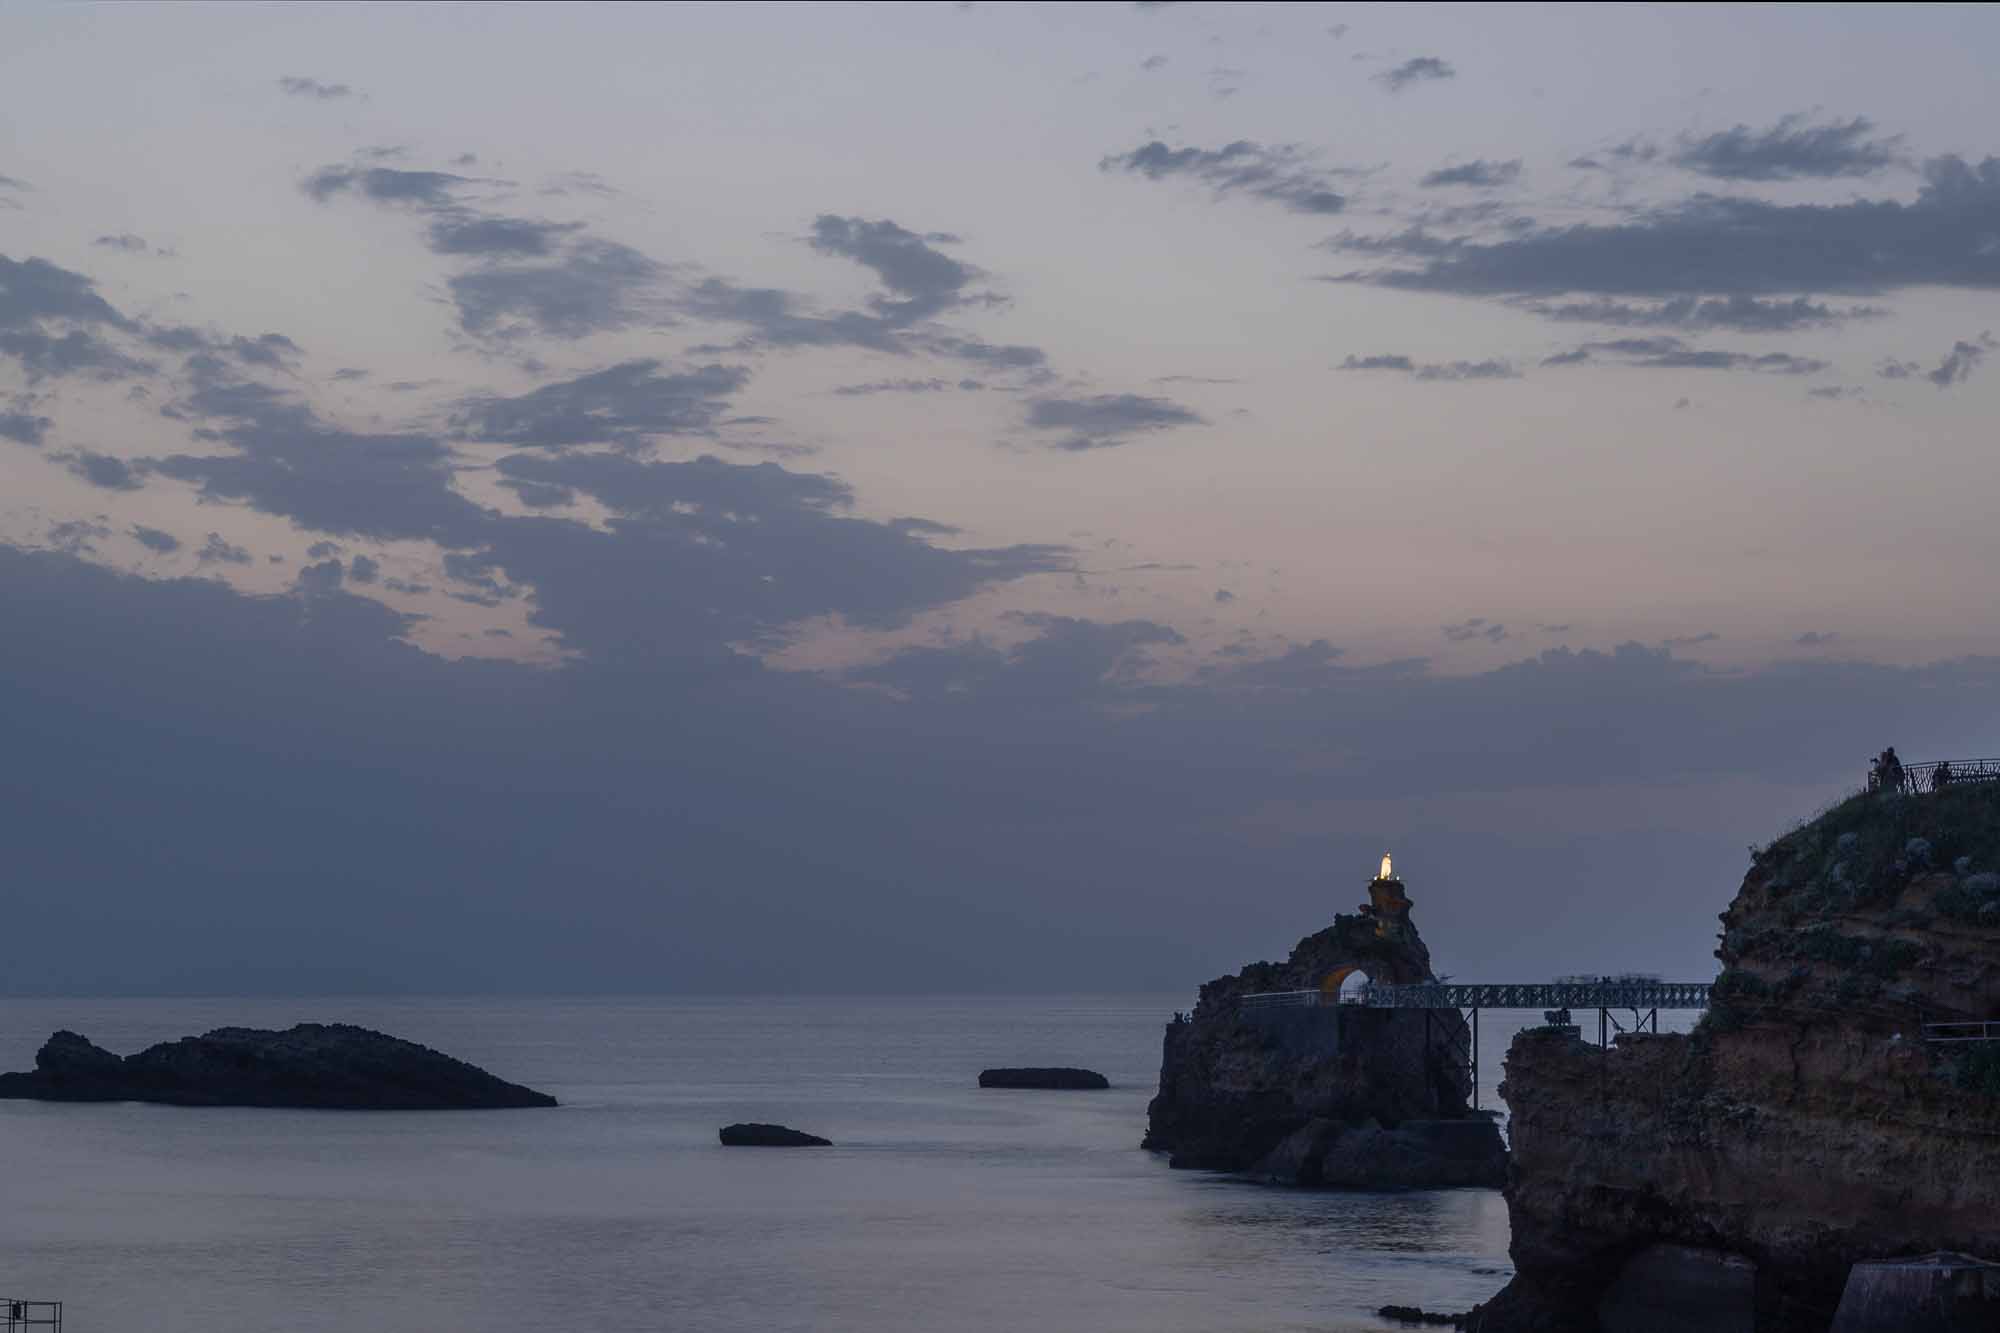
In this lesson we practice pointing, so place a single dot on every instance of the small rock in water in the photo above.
(1087, 1079)
(1410, 1314)
(770, 1136)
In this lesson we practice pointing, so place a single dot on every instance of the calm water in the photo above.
(944, 1209)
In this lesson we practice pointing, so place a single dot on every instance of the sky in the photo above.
(969, 497)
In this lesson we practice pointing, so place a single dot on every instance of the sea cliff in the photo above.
(1325, 1093)
(1806, 1125)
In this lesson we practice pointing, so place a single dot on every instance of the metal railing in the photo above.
(1947, 1033)
(16, 1315)
(1604, 993)
(1934, 776)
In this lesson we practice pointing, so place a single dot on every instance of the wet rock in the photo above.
(769, 1136)
(1058, 1078)
(331, 1066)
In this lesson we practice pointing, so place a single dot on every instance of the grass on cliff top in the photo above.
(1868, 846)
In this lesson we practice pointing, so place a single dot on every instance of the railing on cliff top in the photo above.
(1934, 776)
(1600, 993)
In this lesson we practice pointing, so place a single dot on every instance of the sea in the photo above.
(941, 1209)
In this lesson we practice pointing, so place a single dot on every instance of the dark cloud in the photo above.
(1745, 314)
(927, 280)
(1151, 63)
(1692, 640)
(271, 350)
(388, 185)
(24, 427)
(1792, 149)
(1478, 173)
(298, 86)
(218, 551)
(1418, 69)
(77, 352)
(1106, 419)
(1280, 173)
(1716, 244)
(77, 536)
(628, 405)
(904, 386)
(321, 550)
(1224, 596)
(595, 286)
(478, 234)
(1815, 639)
(1437, 371)
(1477, 628)
(348, 374)
(1835, 392)
(161, 543)
(33, 290)
(363, 570)
(787, 801)
(1665, 352)
(1960, 361)
(125, 241)
(323, 577)
(103, 470)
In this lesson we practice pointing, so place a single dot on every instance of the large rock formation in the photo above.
(1326, 1094)
(321, 1065)
(1060, 1078)
(1806, 1125)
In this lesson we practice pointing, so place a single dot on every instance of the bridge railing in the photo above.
(1608, 993)
(1948, 1033)
(1936, 775)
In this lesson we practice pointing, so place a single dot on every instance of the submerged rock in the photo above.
(769, 1136)
(1066, 1079)
(332, 1066)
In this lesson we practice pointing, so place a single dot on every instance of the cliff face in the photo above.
(1330, 1094)
(1806, 1125)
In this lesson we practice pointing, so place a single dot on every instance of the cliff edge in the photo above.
(1325, 1093)
(1806, 1125)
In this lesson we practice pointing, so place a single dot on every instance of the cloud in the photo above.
(1792, 149)
(1106, 420)
(1815, 639)
(1835, 392)
(1477, 628)
(218, 551)
(24, 427)
(348, 375)
(77, 352)
(1745, 314)
(160, 543)
(933, 385)
(32, 290)
(298, 86)
(103, 470)
(1418, 69)
(1692, 640)
(1719, 244)
(1223, 596)
(466, 233)
(363, 570)
(77, 536)
(1959, 363)
(388, 185)
(595, 286)
(1279, 173)
(125, 241)
(320, 578)
(628, 405)
(928, 280)
(1478, 173)
(1444, 371)
(1151, 63)
(1665, 352)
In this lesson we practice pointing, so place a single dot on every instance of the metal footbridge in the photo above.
(1641, 996)
(1622, 993)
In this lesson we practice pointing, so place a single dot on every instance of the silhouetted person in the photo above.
(1941, 776)
(1889, 770)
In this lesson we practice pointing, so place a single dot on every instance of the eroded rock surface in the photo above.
(1806, 1125)
(1327, 1094)
(332, 1066)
